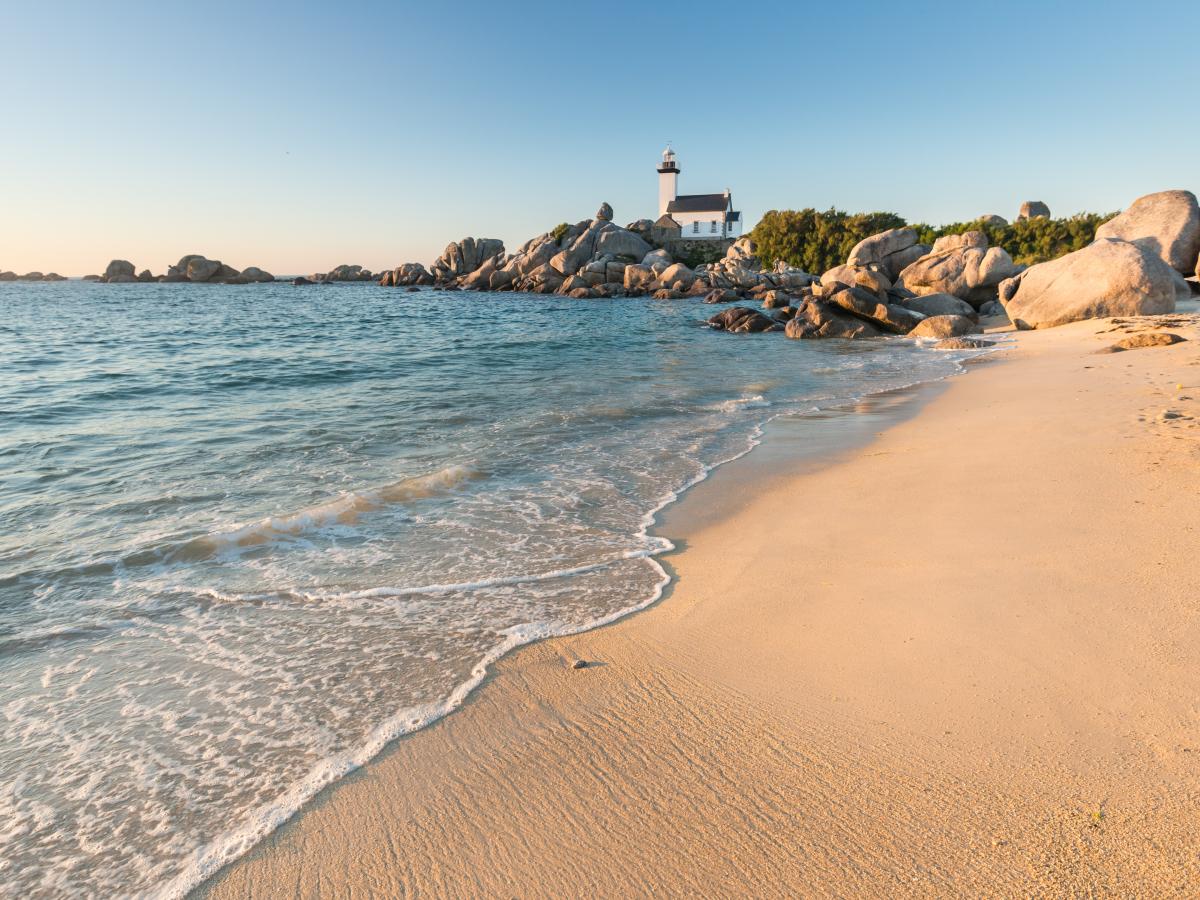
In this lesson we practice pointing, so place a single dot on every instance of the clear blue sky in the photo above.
(296, 136)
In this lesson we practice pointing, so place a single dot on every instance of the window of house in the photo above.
(713, 229)
(695, 228)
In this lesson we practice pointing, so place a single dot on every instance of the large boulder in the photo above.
(1033, 209)
(866, 305)
(200, 269)
(255, 275)
(618, 241)
(342, 273)
(480, 279)
(118, 267)
(464, 257)
(677, 276)
(963, 266)
(146, 276)
(740, 319)
(1107, 278)
(581, 250)
(940, 305)
(870, 277)
(605, 212)
(657, 259)
(993, 220)
(12, 276)
(892, 250)
(639, 278)
(944, 327)
(1166, 223)
(818, 319)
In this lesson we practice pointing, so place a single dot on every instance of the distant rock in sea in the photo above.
(193, 268)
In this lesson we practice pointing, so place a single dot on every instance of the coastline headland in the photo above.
(890, 283)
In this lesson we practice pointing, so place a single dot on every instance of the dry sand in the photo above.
(961, 660)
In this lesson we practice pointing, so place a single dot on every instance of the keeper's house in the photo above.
(696, 217)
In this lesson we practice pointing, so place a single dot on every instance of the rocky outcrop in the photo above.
(191, 268)
(867, 306)
(996, 221)
(741, 319)
(940, 305)
(960, 265)
(199, 269)
(347, 273)
(464, 257)
(31, 276)
(118, 267)
(944, 327)
(1107, 278)
(892, 250)
(406, 275)
(604, 213)
(1166, 223)
(741, 269)
(818, 319)
(255, 275)
(1033, 209)
(619, 242)
(869, 277)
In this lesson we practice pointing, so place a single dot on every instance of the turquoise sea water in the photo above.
(249, 534)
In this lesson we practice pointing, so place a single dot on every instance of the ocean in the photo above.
(248, 535)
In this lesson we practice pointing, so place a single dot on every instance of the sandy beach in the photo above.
(958, 660)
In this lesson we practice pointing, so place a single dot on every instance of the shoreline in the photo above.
(784, 438)
(617, 758)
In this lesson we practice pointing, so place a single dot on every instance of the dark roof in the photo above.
(665, 221)
(698, 203)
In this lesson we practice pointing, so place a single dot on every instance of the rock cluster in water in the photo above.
(191, 268)
(31, 276)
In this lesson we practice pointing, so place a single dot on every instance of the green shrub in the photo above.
(559, 230)
(1032, 240)
(818, 241)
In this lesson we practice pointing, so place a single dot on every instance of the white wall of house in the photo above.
(705, 225)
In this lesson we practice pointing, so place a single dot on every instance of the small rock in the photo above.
(1145, 339)
(579, 664)
(962, 343)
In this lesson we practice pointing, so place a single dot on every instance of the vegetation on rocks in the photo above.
(818, 241)
(1028, 241)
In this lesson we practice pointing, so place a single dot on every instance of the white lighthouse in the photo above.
(694, 217)
(668, 180)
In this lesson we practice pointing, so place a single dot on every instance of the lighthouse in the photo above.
(693, 217)
(668, 180)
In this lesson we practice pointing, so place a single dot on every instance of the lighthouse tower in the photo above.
(668, 180)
